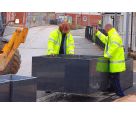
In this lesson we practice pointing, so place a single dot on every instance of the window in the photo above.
(84, 18)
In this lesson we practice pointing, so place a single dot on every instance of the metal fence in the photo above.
(39, 18)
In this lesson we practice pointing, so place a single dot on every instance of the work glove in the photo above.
(96, 29)
(50, 55)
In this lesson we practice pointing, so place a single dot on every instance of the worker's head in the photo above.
(108, 27)
(64, 27)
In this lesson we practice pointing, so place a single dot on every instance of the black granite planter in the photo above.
(89, 33)
(74, 74)
(22, 88)
(4, 90)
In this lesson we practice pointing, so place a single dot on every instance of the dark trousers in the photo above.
(115, 84)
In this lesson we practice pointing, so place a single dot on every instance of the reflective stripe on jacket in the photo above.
(114, 50)
(54, 43)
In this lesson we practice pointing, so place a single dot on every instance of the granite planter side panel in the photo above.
(76, 76)
(126, 78)
(98, 80)
(23, 90)
(49, 72)
(4, 91)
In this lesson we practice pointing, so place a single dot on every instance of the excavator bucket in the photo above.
(6, 54)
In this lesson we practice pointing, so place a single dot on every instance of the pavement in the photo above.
(36, 45)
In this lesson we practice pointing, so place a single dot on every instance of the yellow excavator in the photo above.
(10, 58)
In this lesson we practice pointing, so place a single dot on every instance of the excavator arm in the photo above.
(8, 51)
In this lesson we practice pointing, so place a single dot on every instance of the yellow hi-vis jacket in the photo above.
(114, 50)
(54, 43)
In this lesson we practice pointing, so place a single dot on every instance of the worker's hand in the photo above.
(51, 55)
(96, 29)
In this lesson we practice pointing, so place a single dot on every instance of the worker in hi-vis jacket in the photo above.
(61, 40)
(114, 52)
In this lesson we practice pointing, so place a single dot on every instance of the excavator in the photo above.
(10, 59)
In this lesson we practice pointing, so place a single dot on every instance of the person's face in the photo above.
(64, 28)
(64, 32)
(106, 29)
